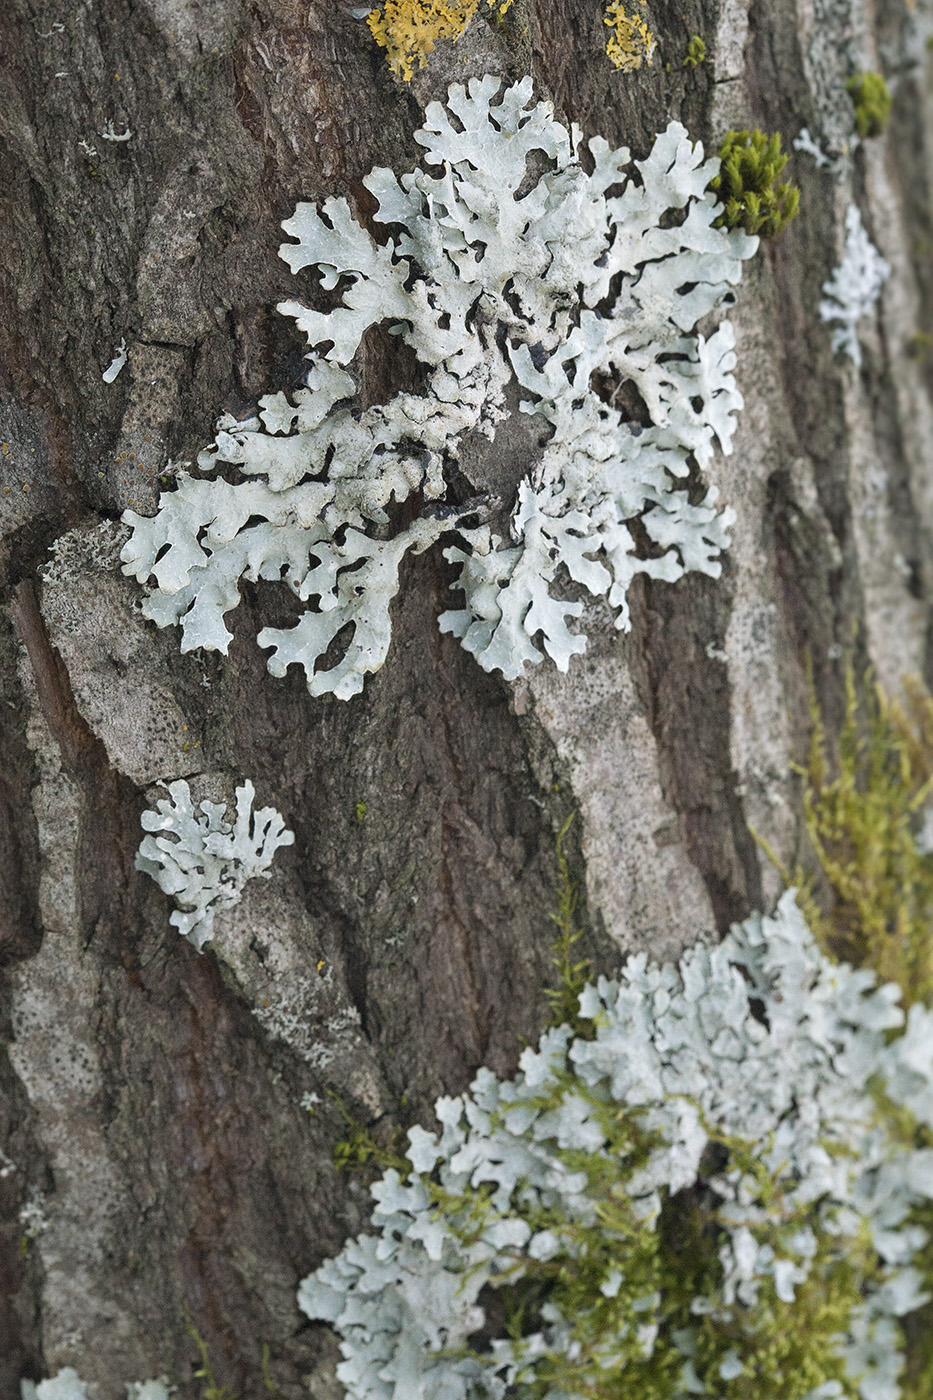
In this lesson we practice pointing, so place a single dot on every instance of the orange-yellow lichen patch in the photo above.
(409, 29)
(631, 42)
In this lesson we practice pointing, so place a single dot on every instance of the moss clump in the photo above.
(409, 29)
(696, 52)
(747, 185)
(919, 346)
(872, 99)
(867, 814)
(864, 815)
(631, 42)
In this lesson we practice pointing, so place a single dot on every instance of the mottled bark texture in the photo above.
(158, 1162)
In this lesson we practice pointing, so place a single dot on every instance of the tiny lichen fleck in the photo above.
(631, 42)
(210, 860)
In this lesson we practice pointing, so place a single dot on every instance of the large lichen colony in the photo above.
(708, 1180)
(503, 283)
(705, 1190)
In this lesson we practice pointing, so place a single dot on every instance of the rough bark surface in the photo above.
(159, 1171)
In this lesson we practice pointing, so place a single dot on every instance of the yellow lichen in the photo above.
(631, 42)
(409, 29)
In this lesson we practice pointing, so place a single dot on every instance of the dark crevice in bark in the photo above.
(686, 696)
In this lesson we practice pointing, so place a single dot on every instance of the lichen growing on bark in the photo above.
(849, 296)
(208, 859)
(631, 43)
(409, 29)
(492, 283)
(693, 1194)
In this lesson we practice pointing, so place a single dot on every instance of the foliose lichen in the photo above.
(66, 1384)
(208, 859)
(631, 42)
(855, 286)
(872, 100)
(494, 273)
(704, 1191)
(748, 184)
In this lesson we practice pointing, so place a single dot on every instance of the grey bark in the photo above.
(157, 1159)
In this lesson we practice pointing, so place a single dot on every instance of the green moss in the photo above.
(696, 52)
(863, 809)
(872, 99)
(864, 801)
(748, 188)
(210, 1390)
(361, 1150)
(572, 975)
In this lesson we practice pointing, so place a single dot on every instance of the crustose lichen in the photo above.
(631, 42)
(409, 29)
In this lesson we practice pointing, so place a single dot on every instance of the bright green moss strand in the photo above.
(748, 188)
(872, 99)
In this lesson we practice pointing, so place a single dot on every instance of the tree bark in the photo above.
(160, 1169)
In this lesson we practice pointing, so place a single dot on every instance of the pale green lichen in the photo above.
(703, 1190)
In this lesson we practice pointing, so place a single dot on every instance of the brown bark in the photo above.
(150, 1100)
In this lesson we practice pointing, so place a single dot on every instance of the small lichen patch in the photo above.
(851, 293)
(210, 859)
(631, 42)
(409, 29)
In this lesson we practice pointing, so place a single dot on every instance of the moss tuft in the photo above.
(872, 99)
(868, 808)
(747, 185)
(864, 810)
(572, 974)
(696, 52)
